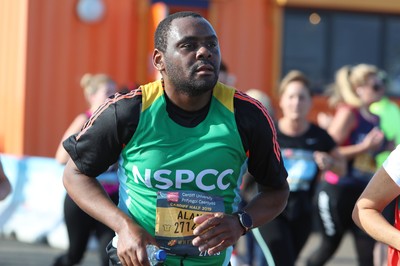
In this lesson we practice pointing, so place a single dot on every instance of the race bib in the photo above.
(364, 165)
(174, 219)
(301, 168)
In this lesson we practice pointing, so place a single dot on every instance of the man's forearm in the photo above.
(90, 196)
(267, 204)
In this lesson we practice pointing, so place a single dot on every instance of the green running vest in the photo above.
(172, 173)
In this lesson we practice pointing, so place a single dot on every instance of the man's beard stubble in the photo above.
(191, 87)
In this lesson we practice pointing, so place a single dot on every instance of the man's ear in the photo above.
(158, 60)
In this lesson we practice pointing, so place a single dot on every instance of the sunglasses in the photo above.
(377, 86)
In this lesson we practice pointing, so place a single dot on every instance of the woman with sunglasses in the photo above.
(356, 131)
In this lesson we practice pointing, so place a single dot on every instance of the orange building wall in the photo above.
(13, 26)
(46, 59)
(247, 34)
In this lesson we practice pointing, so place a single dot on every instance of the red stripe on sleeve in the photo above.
(263, 109)
(104, 106)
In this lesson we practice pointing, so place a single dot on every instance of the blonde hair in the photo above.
(348, 78)
(294, 75)
(91, 82)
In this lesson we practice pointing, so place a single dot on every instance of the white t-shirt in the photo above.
(392, 165)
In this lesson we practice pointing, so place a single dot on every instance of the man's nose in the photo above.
(203, 52)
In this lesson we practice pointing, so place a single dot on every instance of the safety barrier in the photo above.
(34, 210)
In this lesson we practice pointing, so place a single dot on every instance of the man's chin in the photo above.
(197, 91)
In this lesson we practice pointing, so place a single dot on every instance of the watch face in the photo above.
(246, 220)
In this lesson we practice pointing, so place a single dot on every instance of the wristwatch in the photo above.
(245, 221)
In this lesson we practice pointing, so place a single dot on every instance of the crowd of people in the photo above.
(191, 164)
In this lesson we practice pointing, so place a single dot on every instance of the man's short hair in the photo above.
(163, 29)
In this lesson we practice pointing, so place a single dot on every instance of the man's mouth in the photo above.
(205, 69)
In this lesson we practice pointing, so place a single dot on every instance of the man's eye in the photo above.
(212, 44)
(188, 45)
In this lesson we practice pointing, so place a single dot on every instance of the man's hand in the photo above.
(216, 232)
(131, 248)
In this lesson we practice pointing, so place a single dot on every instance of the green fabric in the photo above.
(166, 157)
(389, 114)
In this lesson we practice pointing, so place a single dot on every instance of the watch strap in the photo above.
(246, 228)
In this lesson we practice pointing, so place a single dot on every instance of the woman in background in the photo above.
(80, 226)
(307, 150)
(356, 131)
